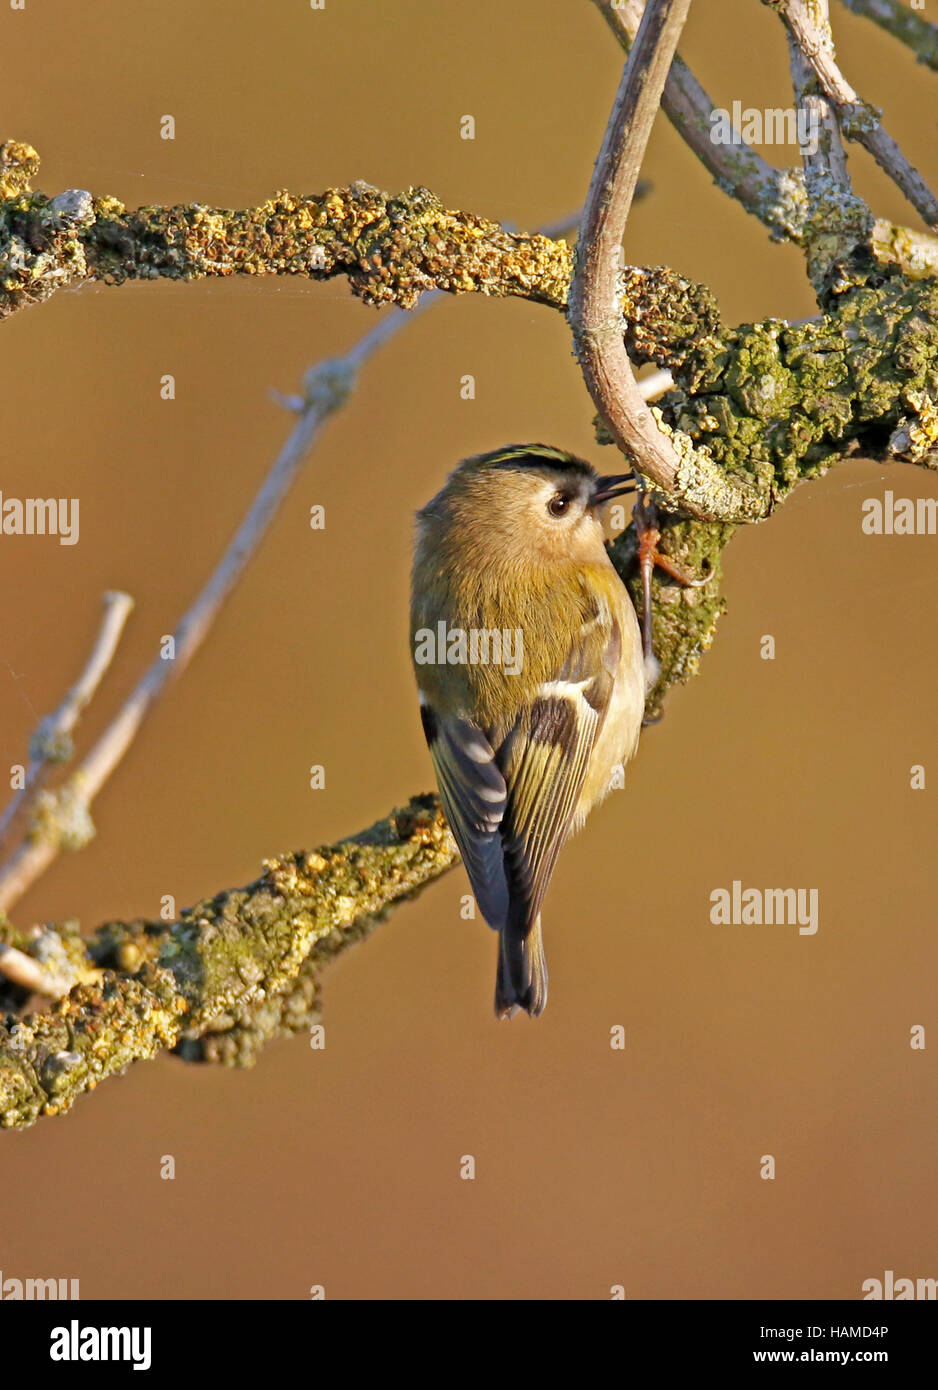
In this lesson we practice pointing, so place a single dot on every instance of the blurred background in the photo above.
(341, 1167)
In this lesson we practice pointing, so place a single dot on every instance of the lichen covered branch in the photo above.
(153, 986)
(781, 401)
(393, 249)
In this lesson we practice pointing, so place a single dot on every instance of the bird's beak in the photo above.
(613, 486)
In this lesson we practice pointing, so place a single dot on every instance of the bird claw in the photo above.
(649, 556)
(683, 576)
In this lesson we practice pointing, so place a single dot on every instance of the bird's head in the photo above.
(531, 498)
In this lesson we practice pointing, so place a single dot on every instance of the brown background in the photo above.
(341, 1168)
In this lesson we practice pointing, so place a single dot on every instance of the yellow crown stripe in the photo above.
(521, 451)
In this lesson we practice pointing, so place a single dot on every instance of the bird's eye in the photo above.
(558, 504)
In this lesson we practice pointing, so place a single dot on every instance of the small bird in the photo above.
(530, 670)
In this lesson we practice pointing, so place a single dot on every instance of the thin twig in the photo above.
(326, 387)
(898, 19)
(829, 158)
(858, 120)
(594, 299)
(595, 315)
(30, 974)
(52, 741)
(655, 384)
(774, 196)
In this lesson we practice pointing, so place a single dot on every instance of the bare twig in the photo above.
(52, 741)
(595, 314)
(858, 120)
(655, 384)
(325, 389)
(776, 197)
(30, 974)
(896, 17)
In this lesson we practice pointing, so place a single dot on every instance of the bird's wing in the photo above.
(474, 797)
(545, 758)
(510, 794)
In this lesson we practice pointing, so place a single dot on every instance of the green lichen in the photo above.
(781, 402)
(665, 315)
(244, 963)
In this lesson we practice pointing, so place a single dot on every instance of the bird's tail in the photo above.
(521, 981)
